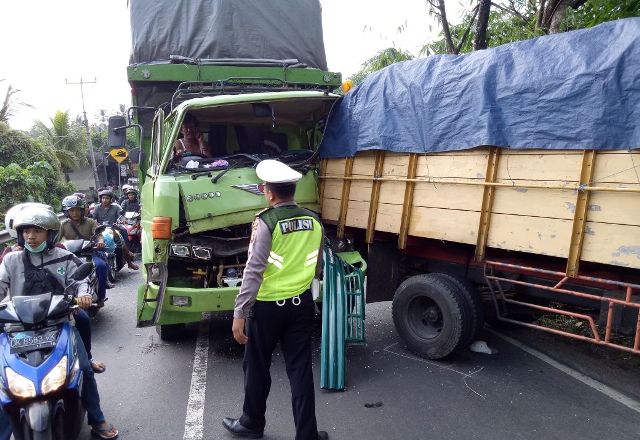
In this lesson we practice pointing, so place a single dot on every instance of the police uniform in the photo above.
(275, 299)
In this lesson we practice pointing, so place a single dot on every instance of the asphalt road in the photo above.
(391, 394)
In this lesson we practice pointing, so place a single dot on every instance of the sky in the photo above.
(46, 44)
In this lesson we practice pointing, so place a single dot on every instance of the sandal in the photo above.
(108, 432)
(98, 367)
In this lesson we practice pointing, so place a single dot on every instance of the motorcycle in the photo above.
(113, 248)
(84, 249)
(131, 222)
(40, 375)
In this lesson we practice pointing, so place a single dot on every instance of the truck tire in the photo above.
(170, 332)
(428, 314)
(473, 306)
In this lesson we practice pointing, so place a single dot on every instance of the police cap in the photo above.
(273, 171)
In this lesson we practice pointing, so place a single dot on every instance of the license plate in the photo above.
(21, 342)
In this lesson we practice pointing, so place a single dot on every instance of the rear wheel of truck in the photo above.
(474, 312)
(428, 314)
(170, 332)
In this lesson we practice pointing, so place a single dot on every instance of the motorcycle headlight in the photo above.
(19, 385)
(56, 377)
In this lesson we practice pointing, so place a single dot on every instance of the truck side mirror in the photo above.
(117, 138)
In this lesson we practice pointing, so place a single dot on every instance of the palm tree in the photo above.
(65, 139)
(9, 106)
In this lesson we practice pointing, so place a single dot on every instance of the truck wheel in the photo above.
(170, 332)
(428, 314)
(472, 305)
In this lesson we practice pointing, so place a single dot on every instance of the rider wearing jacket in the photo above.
(42, 267)
(131, 203)
(78, 227)
(107, 213)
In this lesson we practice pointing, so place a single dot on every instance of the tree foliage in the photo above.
(515, 20)
(29, 171)
(383, 59)
(65, 138)
(9, 104)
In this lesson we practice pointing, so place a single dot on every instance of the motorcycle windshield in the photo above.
(32, 309)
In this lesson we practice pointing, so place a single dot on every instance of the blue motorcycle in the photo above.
(40, 375)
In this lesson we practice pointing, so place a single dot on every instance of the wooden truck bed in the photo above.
(516, 200)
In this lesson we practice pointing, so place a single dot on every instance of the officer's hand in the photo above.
(238, 331)
(84, 301)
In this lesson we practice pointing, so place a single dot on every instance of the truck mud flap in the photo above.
(161, 276)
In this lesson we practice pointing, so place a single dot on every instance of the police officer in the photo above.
(275, 304)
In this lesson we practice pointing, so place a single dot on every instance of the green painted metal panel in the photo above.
(343, 304)
(152, 73)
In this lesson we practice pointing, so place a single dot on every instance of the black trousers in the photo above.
(292, 326)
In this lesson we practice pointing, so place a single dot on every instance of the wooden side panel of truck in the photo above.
(579, 205)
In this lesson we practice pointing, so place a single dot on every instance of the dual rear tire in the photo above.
(437, 314)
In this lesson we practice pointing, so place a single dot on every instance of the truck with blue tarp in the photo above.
(503, 184)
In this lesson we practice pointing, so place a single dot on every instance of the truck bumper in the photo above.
(180, 304)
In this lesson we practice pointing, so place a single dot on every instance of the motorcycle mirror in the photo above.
(83, 271)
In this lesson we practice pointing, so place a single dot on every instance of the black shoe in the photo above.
(235, 428)
(322, 435)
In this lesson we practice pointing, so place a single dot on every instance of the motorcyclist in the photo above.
(42, 267)
(131, 204)
(76, 226)
(107, 213)
(9, 218)
(125, 188)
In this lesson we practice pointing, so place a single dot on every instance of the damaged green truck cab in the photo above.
(197, 211)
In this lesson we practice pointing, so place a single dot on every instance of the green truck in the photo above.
(197, 210)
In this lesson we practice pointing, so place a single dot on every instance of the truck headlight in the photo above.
(181, 250)
(19, 385)
(56, 377)
(202, 253)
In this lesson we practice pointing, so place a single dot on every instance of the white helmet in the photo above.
(11, 214)
(40, 216)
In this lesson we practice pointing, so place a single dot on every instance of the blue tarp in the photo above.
(576, 90)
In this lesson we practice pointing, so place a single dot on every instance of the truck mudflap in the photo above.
(156, 274)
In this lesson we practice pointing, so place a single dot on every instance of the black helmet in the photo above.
(38, 216)
(106, 192)
(72, 202)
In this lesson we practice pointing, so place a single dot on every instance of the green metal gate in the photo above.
(343, 313)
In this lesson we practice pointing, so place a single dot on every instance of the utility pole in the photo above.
(86, 126)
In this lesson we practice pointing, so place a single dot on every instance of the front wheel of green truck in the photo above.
(428, 314)
(170, 332)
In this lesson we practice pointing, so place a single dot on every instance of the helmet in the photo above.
(131, 190)
(13, 212)
(106, 192)
(80, 195)
(44, 218)
(126, 187)
(73, 202)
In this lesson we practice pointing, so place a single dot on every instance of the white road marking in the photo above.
(193, 422)
(440, 365)
(599, 386)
